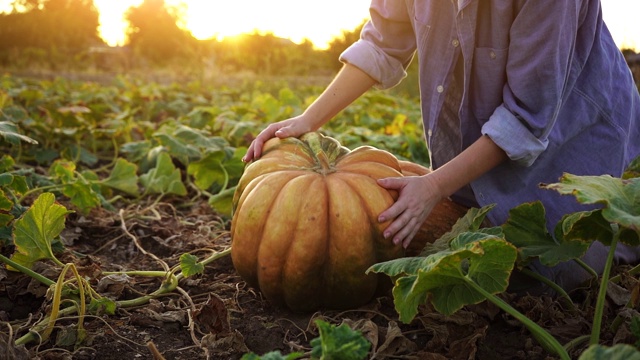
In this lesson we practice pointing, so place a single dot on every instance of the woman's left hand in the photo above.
(418, 195)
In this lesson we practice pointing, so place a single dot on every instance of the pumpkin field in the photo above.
(116, 220)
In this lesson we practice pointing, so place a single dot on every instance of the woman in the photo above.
(513, 94)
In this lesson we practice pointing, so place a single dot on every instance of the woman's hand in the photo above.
(294, 126)
(418, 195)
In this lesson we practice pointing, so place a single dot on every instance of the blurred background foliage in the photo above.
(61, 37)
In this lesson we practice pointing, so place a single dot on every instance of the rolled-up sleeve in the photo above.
(540, 74)
(386, 46)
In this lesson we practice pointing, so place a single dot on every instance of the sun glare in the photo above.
(318, 21)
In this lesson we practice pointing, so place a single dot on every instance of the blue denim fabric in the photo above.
(543, 78)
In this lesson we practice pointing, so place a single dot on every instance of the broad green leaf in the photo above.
(9, 132)
(19, 184)
(183, 152)
(272, 355)
(471, 221)
(63, 170)
(82, 195)
(164, 178)
(585, 226)
(222, 202)
(6, 163)
(36, 229)
(102, 305)
(620, 198)
(339, 342)
(633, 170)
(190, 266)
(123, 177)
(617, 352)
(450, 276)
(209, 170)
(526, 229)
(6, 205)
(6, 179)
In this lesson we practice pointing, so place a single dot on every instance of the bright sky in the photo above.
(318, 21)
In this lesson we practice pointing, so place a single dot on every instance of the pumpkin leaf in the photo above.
(82, 195)
(222, 202)
(209, 170)
(102, 305)
(164, 178)
(616, 352)
(620, 198)
(190, 266)
(339, 342)
(9, 132)
(633, 170)
(471, 221)
(482, 259)
(272, 355)
(123, 177)
(36, 229)
(526, 229)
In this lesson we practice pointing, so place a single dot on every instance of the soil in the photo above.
(215, 315)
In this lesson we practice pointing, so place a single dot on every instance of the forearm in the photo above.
(482, 156)
(346, 87)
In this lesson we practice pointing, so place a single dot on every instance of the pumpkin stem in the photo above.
(325, 150)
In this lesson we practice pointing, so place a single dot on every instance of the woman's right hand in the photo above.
(292, 127)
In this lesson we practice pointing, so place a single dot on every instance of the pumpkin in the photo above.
(304, 228)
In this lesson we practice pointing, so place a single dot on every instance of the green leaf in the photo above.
(63, 170)
(633, 170)
(190, 266)
(339, 342)
(36, 229)
(9, 131)
(82, 195)
(5, 206)
(482, 259)
(6, 163)
(209, 170)
(471, 221)
(526, 229)
(273, 355)
(222, 202)
(585, 226)
(617, 352)
(123, 177)
(620, 198)
(164, 178)
(102, 305)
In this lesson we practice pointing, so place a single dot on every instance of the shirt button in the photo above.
(440, 89)
(492, 55)
(455, 42)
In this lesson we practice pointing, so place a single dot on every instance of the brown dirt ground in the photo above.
(217, 316)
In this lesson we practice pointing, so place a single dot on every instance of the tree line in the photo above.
(63, 34)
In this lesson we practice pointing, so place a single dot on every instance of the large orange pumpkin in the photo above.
(305, 229)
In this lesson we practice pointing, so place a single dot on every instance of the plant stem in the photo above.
(550, 343)
(588, 268)
(46, 281)
(602, 293)
(552, 285)
(633, 271)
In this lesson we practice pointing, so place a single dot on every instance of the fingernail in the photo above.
(381, 219)
(386, 234)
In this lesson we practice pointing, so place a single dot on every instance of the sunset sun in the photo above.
(293, 19)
